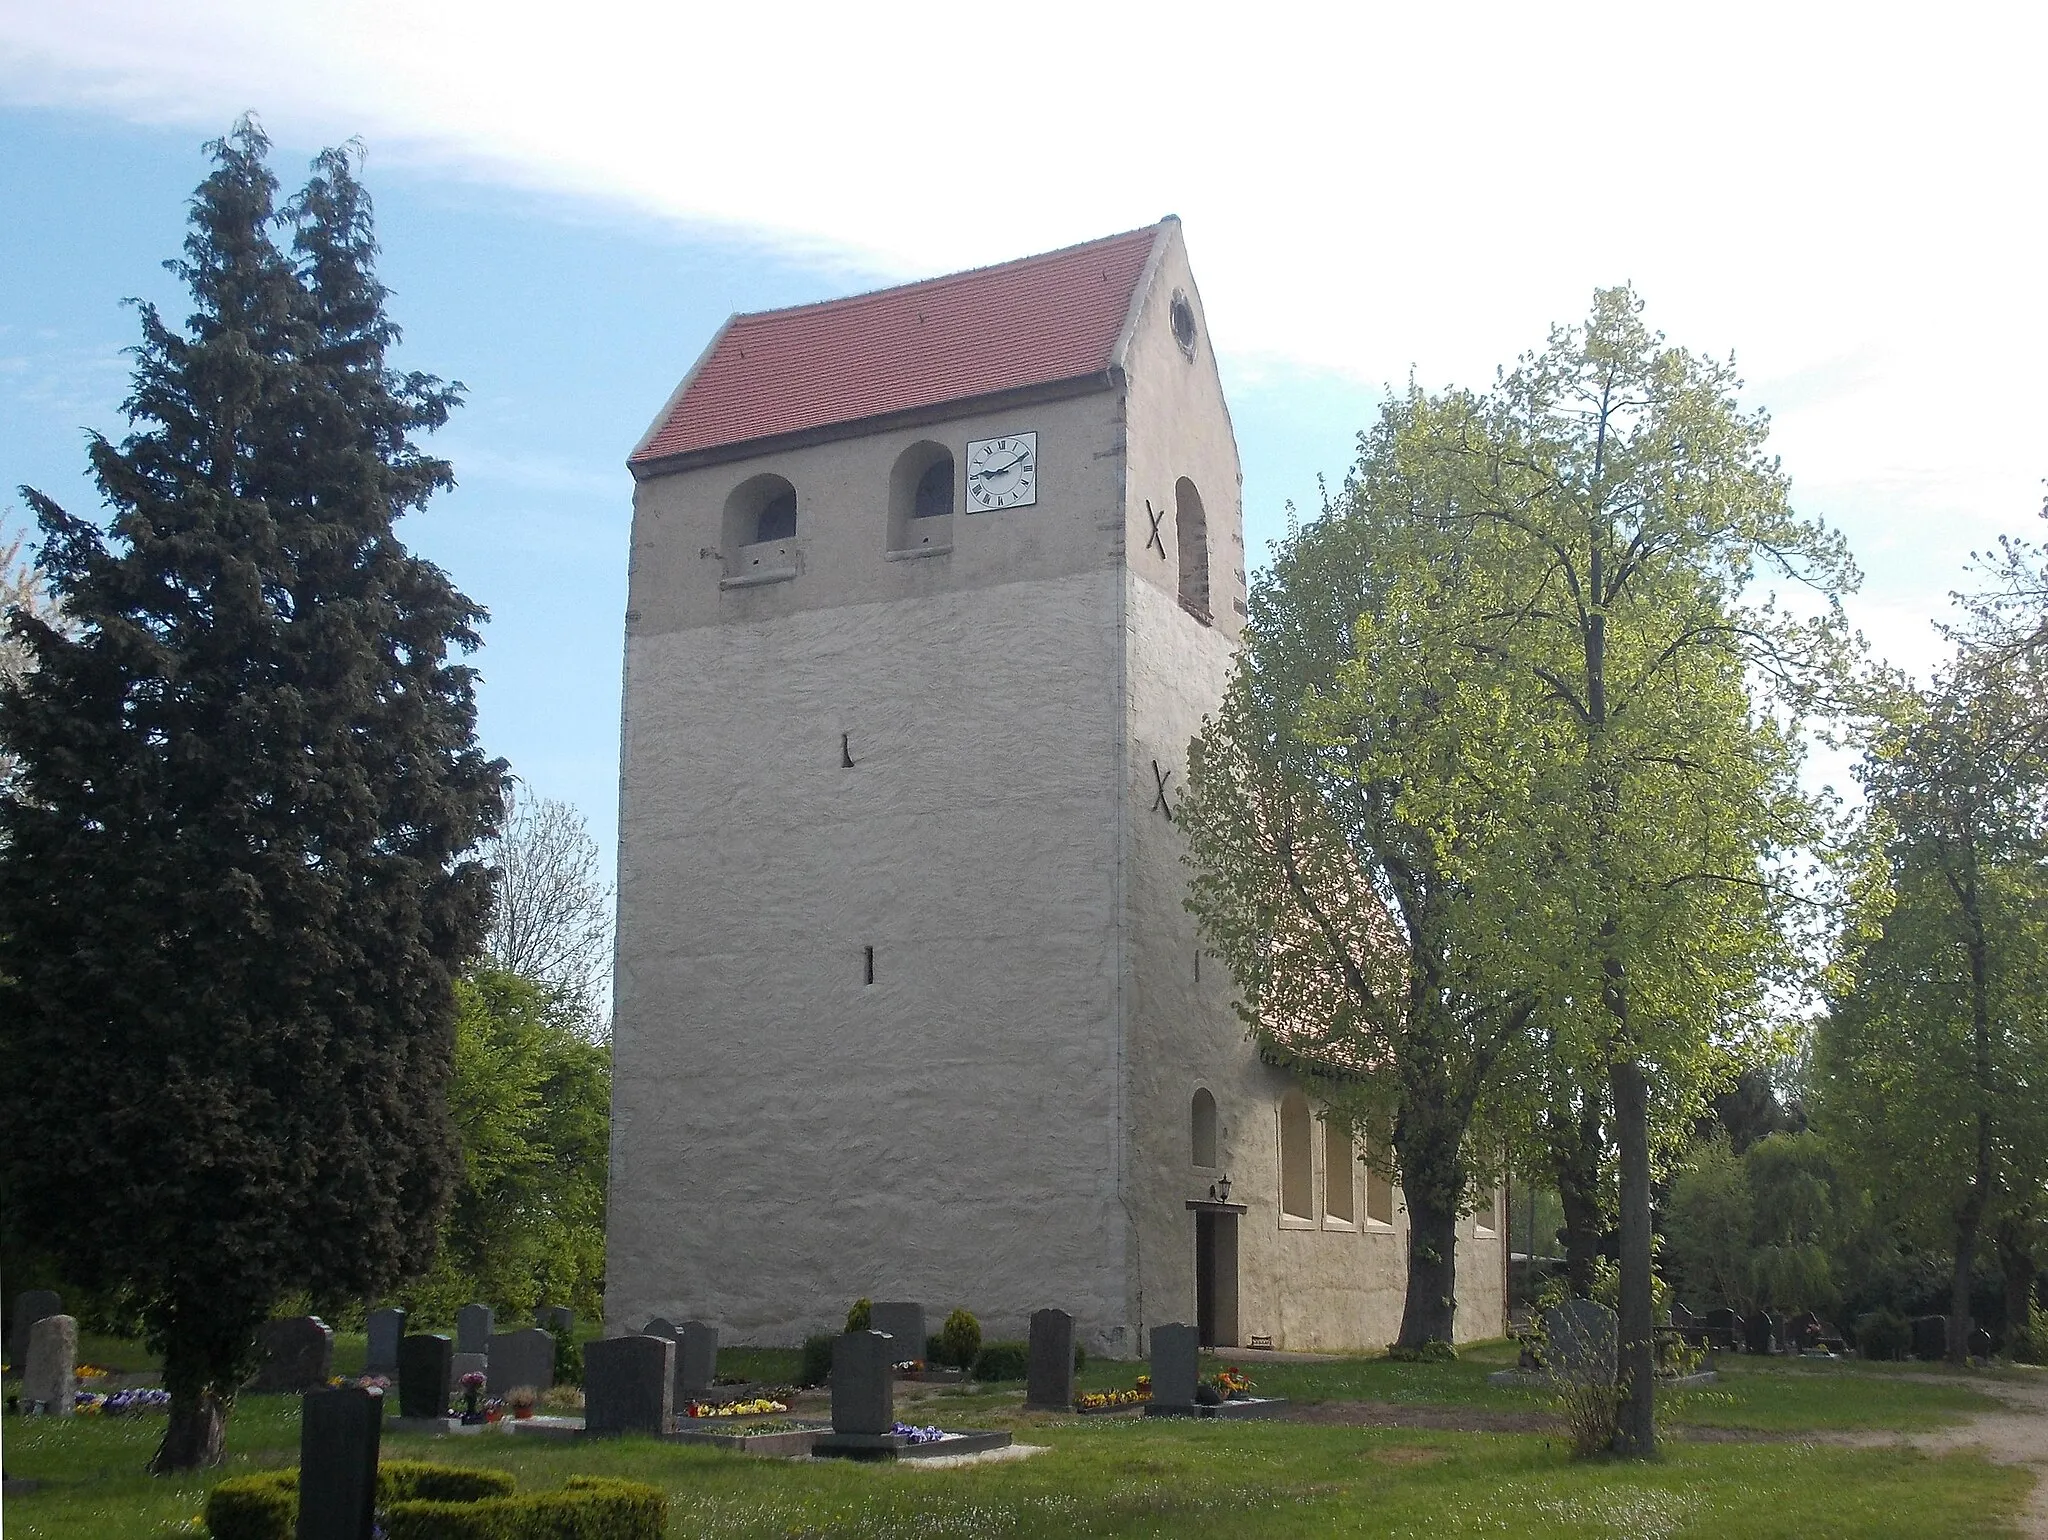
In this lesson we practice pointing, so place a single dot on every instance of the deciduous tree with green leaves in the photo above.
(234, 894)
(1933, 1053)
(1644, 535)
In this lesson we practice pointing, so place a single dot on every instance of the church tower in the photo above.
(930, 588)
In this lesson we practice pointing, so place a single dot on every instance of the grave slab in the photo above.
(339, 1433)
(385, 1329)
(629, 1385)
(1049, 1375)
(520, 1358)
(49, 1374)
(298, 1355)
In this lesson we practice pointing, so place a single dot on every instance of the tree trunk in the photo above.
(1429, 1135)
(1636, 1425)
(195, 1437)
(2017, 1267)
(1429, 1313)
(1959, 1322)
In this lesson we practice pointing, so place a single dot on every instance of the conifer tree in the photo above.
(234, 892)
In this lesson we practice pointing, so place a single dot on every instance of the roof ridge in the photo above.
(847, 300)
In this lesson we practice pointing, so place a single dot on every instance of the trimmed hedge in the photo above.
(817, 1366)
(1003, 1361)
(587, 1508)
(424, 1502)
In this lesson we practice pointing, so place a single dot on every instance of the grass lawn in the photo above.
(1130, 1476)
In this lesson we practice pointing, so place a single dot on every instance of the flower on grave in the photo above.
(911, 1434)
(472, 1381)
(910, 1366)
(91, 1372)
(760, 1406)
(1233, 1381)
(1102, 1400)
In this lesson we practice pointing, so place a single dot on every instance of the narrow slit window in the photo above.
(1340, 1192)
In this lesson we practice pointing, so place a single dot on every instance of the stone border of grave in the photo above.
(1249, 1408)
(888, 1446)
(788, 1444)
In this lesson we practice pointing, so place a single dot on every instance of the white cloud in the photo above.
(1849, 196)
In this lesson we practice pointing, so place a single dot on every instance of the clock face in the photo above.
(1003, 472)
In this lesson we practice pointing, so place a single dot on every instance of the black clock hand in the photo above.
(999, 469)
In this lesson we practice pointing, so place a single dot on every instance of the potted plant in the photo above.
(522, 1399)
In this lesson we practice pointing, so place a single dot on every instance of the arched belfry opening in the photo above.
(921, 490)
(1202, 1130)
(760, 528)
(1191, 526)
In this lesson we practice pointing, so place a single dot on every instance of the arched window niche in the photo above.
(1202, 1130)
(1340, 1176)
(1297, 1159)
(921, 489)
(760, 531)
(1191, 526)
(1379, 1188)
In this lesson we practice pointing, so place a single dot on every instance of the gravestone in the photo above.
(1930, 1337)
(339, 1431)
(905, 1322)
(1176, 1365)
(660, 1326)
(629, 1385)
(473, 1327)
(30, 1306)
(426, 1375)
(520, 1358)
(298, 1355)
(1982, 1344)
(1802, 1332)
(1759, 1333)
(1049, 1369)
(1583, 1342)
(558, 1320)
(696, 1360)
(1722, 1328)
(49, 1375)
(385, 1328)
(863, 1382)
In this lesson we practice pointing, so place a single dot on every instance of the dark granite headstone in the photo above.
(339, 1431)
(905, 1322)
(473, 1327)
(696, 1360)
(1930, 1337)
(1176, 1364)
(1802, 1332)
(30, 1306)
(385, 1328)
(426, 1375)
(559, 1320)
(298, 1354)
(660, 1326)
(520, 1358)
(1982, 1343)
(1582, 1342)
(863, 1384)
(1721, 1328)
(629, 1385)
(1759, 1333)
(1049, 1371)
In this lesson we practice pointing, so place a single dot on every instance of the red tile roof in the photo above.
(1037, 321)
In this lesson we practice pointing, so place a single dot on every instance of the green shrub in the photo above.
(1080, 1358)
(568, 1360)
(404, 1481)
(1002, 1361)
(260, 1507)
(1883, 1334)
(817, 1364)
(861, 1315)
(1433, 1351)
(586, 1508)
(2028, 1344)
(959, 1340)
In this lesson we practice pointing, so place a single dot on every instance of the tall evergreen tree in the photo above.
(235, 890)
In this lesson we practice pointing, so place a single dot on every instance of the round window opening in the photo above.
(1183, 323)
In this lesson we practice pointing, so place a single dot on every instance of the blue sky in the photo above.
(570, 200)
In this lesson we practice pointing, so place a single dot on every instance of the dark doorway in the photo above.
(1216, 1277)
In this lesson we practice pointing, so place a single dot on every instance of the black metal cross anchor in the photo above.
(1159, 802)
(1154, 539)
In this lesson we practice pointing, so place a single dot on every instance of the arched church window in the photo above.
(921, 501)
(1202, 1115)
(760, 530)
(1297, 1158)
(1340, 1174)
(1379, 1188)
(1191, 525)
